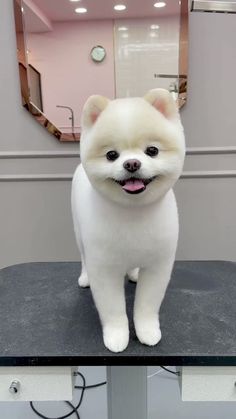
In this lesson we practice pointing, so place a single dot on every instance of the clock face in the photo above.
(98, 53)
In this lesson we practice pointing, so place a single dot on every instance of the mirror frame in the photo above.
(39, 116)
(183, 53)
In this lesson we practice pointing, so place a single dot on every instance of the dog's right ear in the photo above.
(92, 109)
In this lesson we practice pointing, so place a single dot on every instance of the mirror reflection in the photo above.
(73, 49)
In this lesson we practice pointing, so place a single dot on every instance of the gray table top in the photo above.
(46, 319)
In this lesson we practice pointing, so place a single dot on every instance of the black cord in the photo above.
(172, 372)
(82, 392)
(92, 386)
(73, 411)
(74, 408)
(46, 417)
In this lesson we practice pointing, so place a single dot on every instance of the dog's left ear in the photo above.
(163, 101)
(92, 109)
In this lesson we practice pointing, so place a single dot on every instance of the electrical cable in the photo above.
(82, 392)
(92, 386)
(47, 417)
(74, 409)
(171, 372)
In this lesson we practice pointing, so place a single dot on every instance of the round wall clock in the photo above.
(98, 53)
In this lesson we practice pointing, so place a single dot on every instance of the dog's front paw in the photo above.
(148, 331)
(83, 280)
(116, 338)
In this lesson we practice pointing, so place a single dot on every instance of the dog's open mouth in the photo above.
(134, 185)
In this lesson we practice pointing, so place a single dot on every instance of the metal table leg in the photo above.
(127, 392)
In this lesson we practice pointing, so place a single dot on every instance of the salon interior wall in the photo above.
(207, 199)
(142, 52)
(68, 74)
(35, 221)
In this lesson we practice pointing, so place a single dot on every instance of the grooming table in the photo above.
(49, 326)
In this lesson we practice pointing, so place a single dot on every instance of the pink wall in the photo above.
(68, 74)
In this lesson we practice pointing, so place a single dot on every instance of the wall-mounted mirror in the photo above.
(69, 50)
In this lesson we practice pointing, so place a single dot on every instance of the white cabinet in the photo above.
(36, 383)
(208, 383)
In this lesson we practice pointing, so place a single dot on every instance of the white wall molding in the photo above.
(68, 177)
(38, 154)
(202, 174)
(36, 177)
(210, 150)
(74, 153)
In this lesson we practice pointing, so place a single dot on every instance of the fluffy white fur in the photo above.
(118, 231)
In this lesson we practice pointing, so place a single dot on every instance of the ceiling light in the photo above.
(122, 28)
(154, 26)
(74, 0)
(120, 7)
(81, 10)
(160, 4)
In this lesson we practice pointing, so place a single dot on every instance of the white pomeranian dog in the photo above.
(124, 210)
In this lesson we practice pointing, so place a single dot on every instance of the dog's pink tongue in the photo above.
(133, 185)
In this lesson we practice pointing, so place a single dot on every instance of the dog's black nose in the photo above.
(132, 165)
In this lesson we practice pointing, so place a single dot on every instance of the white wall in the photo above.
(142, 52)
(207, 205)
(35, 219)
(68, 74)
(209, 117)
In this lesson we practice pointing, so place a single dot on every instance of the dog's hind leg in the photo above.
(133, 274)
(83, 280)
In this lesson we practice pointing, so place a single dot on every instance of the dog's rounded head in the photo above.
(132, 149)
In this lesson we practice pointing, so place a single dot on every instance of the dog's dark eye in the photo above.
(112, 155)
(152, 151)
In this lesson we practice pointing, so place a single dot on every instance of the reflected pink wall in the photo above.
(68, 74)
